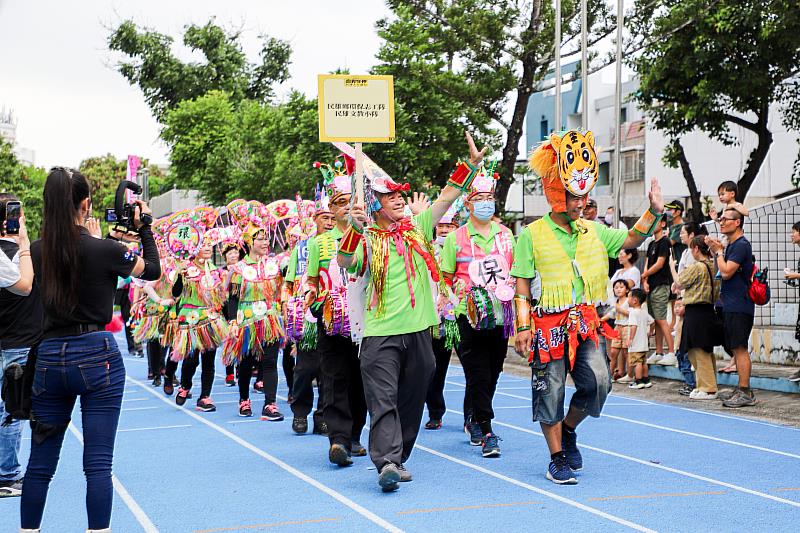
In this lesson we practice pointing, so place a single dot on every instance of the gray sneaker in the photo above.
(795, 377)
(389, 478)
(405, 475)
(741, 399)
(10, 489)
(727, 394)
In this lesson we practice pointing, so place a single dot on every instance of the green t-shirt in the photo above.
(450, 249)
(612, 239)
(291, 268)
(398, 316)
(314, 261)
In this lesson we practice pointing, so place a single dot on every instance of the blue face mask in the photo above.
(483, 210)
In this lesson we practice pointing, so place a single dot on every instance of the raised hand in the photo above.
(358, 217)
(418, 203)
(656, 199)
(475, 156)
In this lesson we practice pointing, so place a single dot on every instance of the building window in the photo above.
(623, 115)
(544, 131)
(633, 165)
(602, 174)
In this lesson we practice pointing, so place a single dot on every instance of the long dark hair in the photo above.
(64, 191)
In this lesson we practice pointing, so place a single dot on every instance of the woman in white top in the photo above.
(627, 258)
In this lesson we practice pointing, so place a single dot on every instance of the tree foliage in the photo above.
(711, 64)
(166, 81)
(461, 63)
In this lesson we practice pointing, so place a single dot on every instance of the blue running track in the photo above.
(647, 467)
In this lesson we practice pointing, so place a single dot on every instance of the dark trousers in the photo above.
(229, 369)
(189, 367)
(288, 363)
(397, 371)
(155, 357)
(305, 371)
(122, 298)
(90, 367)
(435, 397)
(170, 368)
(344, 406)
(482, 355)
(467, 404)
(268, 370)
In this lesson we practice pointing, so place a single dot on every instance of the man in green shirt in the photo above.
(569, 256)
(478, 257)
(397, 361)
(344, 408)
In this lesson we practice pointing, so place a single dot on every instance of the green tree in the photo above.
(461, 63)
(26, 183)
(166, 81)
(711, 64)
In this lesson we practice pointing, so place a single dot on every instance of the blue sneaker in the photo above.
(560, 473)
(473, 429)
(569, 443)
(490, 447)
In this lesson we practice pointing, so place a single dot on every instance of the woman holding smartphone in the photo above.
(77, 276)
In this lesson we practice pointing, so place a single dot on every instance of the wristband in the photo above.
(463, 176)
(647, 222)
(350, 240)
(522, 308)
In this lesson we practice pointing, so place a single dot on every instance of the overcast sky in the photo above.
(70, 103)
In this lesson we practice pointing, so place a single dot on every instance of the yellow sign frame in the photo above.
(360, 81)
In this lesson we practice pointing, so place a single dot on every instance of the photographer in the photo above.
(77, 277)
(20, 328)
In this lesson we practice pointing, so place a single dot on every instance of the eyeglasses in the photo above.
(340, 202)
(727, 218)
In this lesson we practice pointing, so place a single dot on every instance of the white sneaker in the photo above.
(655, 358)
(668, 360)
(698, 394)
(648, 384)
(637, 385)
(625, 379)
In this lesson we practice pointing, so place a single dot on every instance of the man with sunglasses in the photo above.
(735, 264)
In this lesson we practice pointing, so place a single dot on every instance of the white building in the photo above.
(8, 131)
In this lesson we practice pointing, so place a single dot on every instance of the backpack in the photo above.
(758, 289)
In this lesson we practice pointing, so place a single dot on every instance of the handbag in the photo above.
(717, 327)
(17, 385)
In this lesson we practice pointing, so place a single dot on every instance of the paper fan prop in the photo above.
(186, 231)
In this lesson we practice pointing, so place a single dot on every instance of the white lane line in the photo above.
(139, 408)
(341, 498)
(655, 465)
(537, 490)
(147, 525)
(248, 421)
(135, 400)
(682, 432)
(513, 407)
(155, 427)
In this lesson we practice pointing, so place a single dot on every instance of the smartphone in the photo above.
(111, 215)
(13, 212)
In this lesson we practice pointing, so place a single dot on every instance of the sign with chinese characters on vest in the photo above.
(356, 108)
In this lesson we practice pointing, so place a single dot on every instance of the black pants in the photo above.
(288, 363)
(482, 355)
(155, 357)
(170, 368)
(435, 397)
(268, 369)
(122, 299)
(397, 371)
(229, 369)
(305, 371)
(189, 367)
(467, 405)
(344, 406)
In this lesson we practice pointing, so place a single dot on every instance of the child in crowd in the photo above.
(619, 309)
(728, 191)
(640, 324)
(684, 365)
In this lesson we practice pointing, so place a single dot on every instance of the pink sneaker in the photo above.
(206, 405)
(271, 413)
(245, 408)
(183, 395)
(258, 386)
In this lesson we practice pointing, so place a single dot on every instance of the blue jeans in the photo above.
(10, 435)
(592, 381)
(686, 368)
(89, 366)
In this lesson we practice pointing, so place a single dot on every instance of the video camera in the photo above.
(124, 213)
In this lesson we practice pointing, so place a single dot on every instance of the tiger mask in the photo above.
(577, 161)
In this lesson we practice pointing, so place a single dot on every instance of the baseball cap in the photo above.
(675, 204)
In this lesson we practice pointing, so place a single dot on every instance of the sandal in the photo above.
(730, 369)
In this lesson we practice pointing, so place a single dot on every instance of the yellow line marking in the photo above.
(786, 488)
(467, 507)
(666, 495)
(265, 526)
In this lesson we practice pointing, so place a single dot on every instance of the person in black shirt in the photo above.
(656, 280)
(77, 276)
(20, 328)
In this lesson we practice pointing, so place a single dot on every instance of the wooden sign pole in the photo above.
(359, 175)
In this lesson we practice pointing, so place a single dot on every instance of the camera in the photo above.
(123, 212)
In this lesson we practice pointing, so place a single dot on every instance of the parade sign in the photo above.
(356, 108)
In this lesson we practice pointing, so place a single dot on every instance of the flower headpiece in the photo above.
(378, 180)
(485, 181)
(454, 214)
(335, 179)
(566, 162)
(302, 226)
(251, 217)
